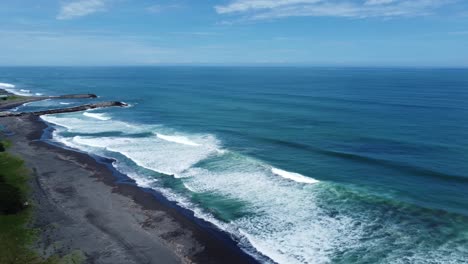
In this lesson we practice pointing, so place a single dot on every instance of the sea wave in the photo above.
(178, 139)
(76, 123)
(263, 216)
(7, 85)
(293, 176)
(285, 221)
(356, 157)
(11, 88)
(98, 116)
(170, 159)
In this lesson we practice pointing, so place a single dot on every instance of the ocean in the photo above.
(297, 164)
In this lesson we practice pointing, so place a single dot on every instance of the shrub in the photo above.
(11, 199)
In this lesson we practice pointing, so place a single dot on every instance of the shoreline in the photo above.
(192, 240)
(181, 213)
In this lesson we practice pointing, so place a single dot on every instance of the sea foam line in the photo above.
(98, 116)
(6, 85)
(178, 139)
(11, 88)
(172, 157)
(293, 176)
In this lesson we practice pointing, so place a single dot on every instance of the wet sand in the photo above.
(82, 204)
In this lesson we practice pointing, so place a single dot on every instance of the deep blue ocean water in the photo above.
(305, 165)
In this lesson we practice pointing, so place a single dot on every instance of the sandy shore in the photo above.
(79, 205)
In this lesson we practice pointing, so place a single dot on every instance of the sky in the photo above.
(423, 33)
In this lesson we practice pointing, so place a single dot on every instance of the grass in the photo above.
(11, 98)
(13, 182)
(16, 237)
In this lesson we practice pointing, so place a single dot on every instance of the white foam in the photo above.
(27, 104)
(11, 88)
(63, 103)
(7, 85)
(39, 94)
(46, 103)
(25, 91)
(273, 228)
(286, 224)
(286, 221)
(77, 123)
(128, 105)
(98, 116)
(293, 176)
(153, 153)
(178, 139)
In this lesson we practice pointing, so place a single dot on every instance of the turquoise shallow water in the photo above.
(305, 165)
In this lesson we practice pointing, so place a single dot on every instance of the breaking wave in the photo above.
(11, 88)
(290, 219)
(178, 139)
(7, 85)
(293, 176)
(98, 116)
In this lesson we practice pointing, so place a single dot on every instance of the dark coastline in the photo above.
(216, 245)
(219, 245)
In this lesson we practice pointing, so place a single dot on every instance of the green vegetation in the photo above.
(11, 98)
(16, 238)
(13, 183)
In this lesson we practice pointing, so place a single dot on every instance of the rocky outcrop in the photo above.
(73, 96)
(66, 110)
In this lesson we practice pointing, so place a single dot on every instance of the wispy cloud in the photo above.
(81, 8)
(271, 9)
(249, 5)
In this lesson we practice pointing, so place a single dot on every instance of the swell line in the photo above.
(403, 167)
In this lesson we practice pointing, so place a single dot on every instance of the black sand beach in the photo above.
(79, 205)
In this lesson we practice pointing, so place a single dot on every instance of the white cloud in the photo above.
(80, 8)
(248, 5)
(271, 9)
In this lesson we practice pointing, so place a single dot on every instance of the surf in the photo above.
(12, 89)
(98, 116)
(283, 180)
(178, 139)
(277, 211)
(6, 85)
(293, 176)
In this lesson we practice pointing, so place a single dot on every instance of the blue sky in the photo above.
(235, 32)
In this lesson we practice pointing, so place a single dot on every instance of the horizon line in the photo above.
(252, 65)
